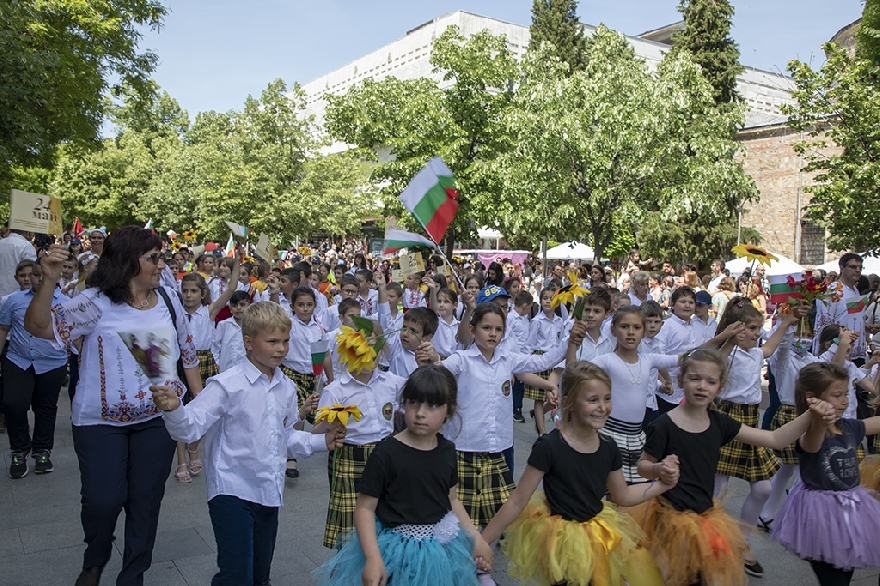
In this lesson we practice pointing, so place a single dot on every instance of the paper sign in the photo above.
(397, 276)
(265, 248)
(409, 265)
(33, 212)
(442, 270)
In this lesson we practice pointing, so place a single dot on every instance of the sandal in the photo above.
(195, 466)
(182, 475)
(764, 524)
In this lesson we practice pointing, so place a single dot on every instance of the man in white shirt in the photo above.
(847, 306)
(13, 249)
(717, 275)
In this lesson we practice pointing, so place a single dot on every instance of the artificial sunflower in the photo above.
(175, 246)
(338, 413)
(354, 350)
(190, 235)
(250, 259)
(568, 294)
(753, 253)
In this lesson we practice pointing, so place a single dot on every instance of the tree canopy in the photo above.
(556, 22)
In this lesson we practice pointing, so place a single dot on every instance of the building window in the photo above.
(812, 244)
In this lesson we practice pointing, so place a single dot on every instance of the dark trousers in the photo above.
(74, 375)
(245, 534)
(122, 467)
(664, 406)
(508, 457)
(519, 389)
(828, 575)
(770, 413)
(25, 389)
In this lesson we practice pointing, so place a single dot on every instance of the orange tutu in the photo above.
(689, 546)
(869, 471)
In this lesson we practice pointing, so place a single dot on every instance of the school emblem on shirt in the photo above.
(387, 411)
(505, 388)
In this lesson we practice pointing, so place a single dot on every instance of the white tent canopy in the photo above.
(783, 266)
(571, 251)
(870, 265)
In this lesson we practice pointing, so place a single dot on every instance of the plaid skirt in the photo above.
(207, 369)
(484, 484)
(535, 393)
(305, 384)
(785, 414)
(630, 440)
(345, 466)
(751, 463)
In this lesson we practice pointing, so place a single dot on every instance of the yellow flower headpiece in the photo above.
(338, 412)
(753, 253)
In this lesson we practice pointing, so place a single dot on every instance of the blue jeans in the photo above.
(245, 534)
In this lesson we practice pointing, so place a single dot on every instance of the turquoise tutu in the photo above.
(438, 560)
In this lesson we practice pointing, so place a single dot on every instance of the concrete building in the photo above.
(769, 157)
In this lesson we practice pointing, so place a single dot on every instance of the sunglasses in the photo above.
(155, 257)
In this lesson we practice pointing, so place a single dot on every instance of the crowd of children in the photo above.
(416, 388)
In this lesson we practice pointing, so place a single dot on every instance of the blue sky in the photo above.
(214, 53)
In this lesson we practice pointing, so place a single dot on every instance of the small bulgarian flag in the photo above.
(396, 239)
(149, 224)
(230, 247)
(857, 306)
(432, 198)
(319, 353)
(238, 229)
(781, 289)
(171, 234)
(77, 228)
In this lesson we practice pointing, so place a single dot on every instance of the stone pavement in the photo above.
(41, 537)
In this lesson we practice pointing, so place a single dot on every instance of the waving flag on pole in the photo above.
(149, 225)
(230, 247)
(77, 228)
(396, 239)
(238, 229)
(432, 198)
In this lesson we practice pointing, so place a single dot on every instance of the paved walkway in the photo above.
(41, 537)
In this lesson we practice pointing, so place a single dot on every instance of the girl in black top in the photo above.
(691, 537)
(567, 534)
(411, 529)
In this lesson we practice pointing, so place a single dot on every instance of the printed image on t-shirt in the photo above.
(151, 350)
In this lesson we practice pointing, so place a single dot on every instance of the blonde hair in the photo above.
(703, 355)
(262, 316)
(574, 374)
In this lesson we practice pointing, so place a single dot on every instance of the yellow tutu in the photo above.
(869, 471)
(547, 549)
(687, 545)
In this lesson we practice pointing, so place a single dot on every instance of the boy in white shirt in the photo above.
(518, 333)
(246, 415)
(227, 346)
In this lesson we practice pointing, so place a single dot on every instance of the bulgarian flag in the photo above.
(230, 247)
(319, 353)
(782, 287)
(397, 239)
(171, 234)
(149, 224)
(432, 198)
(238, 229)
(857, 306)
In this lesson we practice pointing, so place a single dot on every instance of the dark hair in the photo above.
(422, 316)
(348, 304)
(120, 261)
(453, 296)
(432, 384)
(499, 274)
(651, 309)
(828, 333)
(349, 280)
(524, 296)
(738, 309)
(291, 274)
(440, 280)
(600, 297)
(475, 277)
(263, 269)
(302, 291)
(511, 280)
(304, 268)
(25, 264)
(238, 297)
(844, 260)
(201, 258)
(200, 283)
(484, 309)
(392, 286)
(367, 274)
(683, 292)
(815, 379)
(363, 260)
(627, 310)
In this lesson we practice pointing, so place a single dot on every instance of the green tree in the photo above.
(58, 58)
(556, 22)
(695, 242)
(868, 35)
(839, 105)
(609, 144)
(706, 36)
(415, 120)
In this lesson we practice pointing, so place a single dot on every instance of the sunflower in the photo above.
(753, 253)
(190, 235)
(175, 246)
(354, 350)
(568, 294)
(338, 413)
(250, 259)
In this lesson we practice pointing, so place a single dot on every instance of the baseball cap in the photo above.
(491, 292)
(703, 298)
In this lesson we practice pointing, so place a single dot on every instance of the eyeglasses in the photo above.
(350, 291)
(854, 267)
(155, 257)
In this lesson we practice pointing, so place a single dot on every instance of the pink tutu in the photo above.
(841, 528)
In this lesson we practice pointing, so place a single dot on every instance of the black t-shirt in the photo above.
(697, 454)
(412, 485)
(836, 465)
(574, 482)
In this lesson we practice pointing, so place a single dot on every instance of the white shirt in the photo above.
(402, 361)
(217, 287)
(518, 331)
(227, 344)
(744, 377)
(414, 298)
(485, 401)
(837, 312)
(445, 339)
(299, 352)
(247, 422)
(676, 337)
(544, 332)
(636, 301)
(590, 348)
(13, 249)
(631, 383)
(388, 322)
(377, 400)
(647, 346)
(787, 364)
(713, 284)
(113, 389)
(704, 331)
(370, 304)
(202, 327)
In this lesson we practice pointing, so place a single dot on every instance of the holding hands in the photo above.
(165, 398)
(823, 413)
(669, 470)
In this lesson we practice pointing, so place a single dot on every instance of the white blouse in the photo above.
(113, 388)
